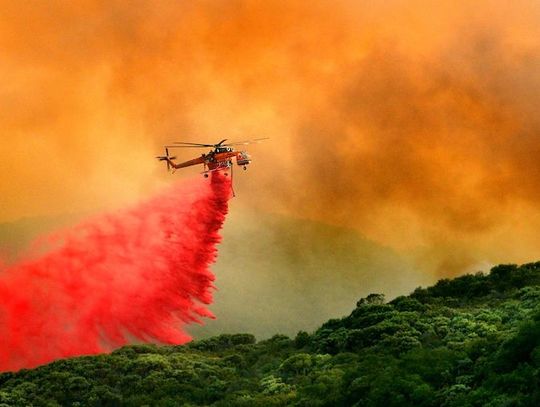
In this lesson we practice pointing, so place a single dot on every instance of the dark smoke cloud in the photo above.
(452, 144)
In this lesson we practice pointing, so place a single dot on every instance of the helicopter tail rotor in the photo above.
(167, 158)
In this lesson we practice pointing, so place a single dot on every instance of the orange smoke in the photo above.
(414, 122)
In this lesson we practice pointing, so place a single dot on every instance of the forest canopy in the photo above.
(469, 341)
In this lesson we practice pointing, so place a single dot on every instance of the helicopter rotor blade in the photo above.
(177, 144)
(190, 146)
(186, 144)
(254, 141)
(183, 143)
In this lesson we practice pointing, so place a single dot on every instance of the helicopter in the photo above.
(220, 158)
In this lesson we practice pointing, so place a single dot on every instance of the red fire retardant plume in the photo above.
(138, 275)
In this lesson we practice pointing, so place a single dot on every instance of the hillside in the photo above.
(470, 341)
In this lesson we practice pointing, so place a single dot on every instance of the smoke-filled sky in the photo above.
(413, 122)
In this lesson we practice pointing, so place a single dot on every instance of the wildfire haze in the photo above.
(414, 123)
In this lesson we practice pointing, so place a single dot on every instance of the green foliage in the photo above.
(470, 341)
(502, 279)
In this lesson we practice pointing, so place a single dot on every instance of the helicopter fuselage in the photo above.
(216, 159)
